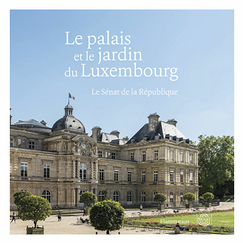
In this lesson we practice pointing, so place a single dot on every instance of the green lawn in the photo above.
(221, 219)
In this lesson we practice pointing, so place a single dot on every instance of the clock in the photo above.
(83, 146)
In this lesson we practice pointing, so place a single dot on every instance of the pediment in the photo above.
(84, 145)
(183, 143)
(83, 138)
(143, 142)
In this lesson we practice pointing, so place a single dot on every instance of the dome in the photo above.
(69, 122)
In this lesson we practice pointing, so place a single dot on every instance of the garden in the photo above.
(215, 221)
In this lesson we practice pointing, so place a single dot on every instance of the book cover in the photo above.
(113, 102)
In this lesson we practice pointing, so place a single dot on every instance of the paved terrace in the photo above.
(68, 224)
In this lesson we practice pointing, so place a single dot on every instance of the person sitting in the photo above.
(82, 220)
(181, 227)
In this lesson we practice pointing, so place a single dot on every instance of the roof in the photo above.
(110, 138)
(68, 123)
(32, 125)
(163, 130)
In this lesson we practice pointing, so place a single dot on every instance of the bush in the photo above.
(88, 198)
(107, 216)
(189, 197)
(208, 196)
(159, 198)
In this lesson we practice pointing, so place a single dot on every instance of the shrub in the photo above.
(107, 215)
(189, 197)
(208, 196)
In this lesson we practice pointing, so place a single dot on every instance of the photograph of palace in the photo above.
(62, 161)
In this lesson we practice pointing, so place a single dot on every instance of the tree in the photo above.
(19, 195)
(208, 196)
(88, 198)
(189, 197)
(216, 161)
(107, 215)
(34, 208)
(159, 198)
(105, 192)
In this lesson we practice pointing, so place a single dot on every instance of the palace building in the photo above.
(61, 162)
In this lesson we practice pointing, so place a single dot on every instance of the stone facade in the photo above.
(62, 162)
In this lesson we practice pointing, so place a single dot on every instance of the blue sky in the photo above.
(199, 43)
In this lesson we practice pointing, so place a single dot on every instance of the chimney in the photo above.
(153, 121)
(172, 122)
(116, 133)
(96, 132)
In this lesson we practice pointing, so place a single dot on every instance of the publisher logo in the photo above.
(204, 219)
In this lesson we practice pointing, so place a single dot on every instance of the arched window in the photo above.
(171, 197)
(82, 171)
(143, 197)
(116, 196)
(80, 193)
(47, 195)
(101, 196)
(181, 196)
(129, 196)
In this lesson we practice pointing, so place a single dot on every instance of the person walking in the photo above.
(141, 207)
(59, 216)
(13, 218)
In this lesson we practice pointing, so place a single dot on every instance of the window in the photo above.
(171, 197)
(154, 195)
(80, 193)
(182, 156)
(171, 155)
(181, 196)
(182, 176)
(155, 154)
(191, 177)
(113, 155)
(31, 145)
(116, 196)
(129, 176)
(191, 157)
(100, 154)
(129, 196)
(11, 142)
(132, 156)
(143, 197)
(143, 176)
(101, 196)
(82, 171)
(115, 175)
(101, 174)
(24, 167)
(47, 195)
(156, 175)
(46, 171)
(171, 176)
(144, 156)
